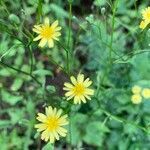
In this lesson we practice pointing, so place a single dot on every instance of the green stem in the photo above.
(53, 146)
(26, 73)
(112, 32)
(69, 36)
(39, 10)
(119, 119)
(31, 60)
(70, 18)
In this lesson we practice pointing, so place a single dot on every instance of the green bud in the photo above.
(14, 19)
(103, 10)
(70, 1)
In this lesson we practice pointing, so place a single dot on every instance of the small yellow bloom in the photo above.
(47, 33)
(136, 89)
(78, 89)
(51, 124)
(146, 18)
(136, 99)
(146, 93)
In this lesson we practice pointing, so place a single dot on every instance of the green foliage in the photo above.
(102, 39)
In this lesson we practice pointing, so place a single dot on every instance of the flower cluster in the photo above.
(138, 93)
(146, 18)
(52, 122)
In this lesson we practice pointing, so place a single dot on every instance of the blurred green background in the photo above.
(110, 121)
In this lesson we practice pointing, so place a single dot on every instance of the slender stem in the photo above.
(55, 63)
(70, 17)
(112, 32)
(53, 146)
(31, 60)
(122, 120)
(129, 55)
(69, 37)
(5, 8)
(39, 10)
(26, 73)
(67, 61)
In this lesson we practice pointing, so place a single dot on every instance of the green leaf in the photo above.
(141, 67)
(4, 123)
(78, 123)
(42, 72)
(95, 133)
(9, 98)
(14, 19)
(16, 84)
(51, 89)
(58, 10)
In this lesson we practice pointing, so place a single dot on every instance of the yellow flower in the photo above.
(146, 14)
(136, 99)
(47, 33)
(143, 24)
(146, 18)
(51, 124)
(78, 89)
(136, 89)
(146, 93)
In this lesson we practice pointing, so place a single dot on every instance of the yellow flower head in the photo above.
(47, 33)
(51, 124)
(146, 93)
(78, 89)
(146, 18)
(136, 99)
(146, 13)
(136, 89)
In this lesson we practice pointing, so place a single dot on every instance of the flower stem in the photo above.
(69, 37)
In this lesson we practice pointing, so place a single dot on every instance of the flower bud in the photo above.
(14, 19)
(103, 10)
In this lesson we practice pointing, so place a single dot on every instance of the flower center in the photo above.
(52, 123)
(79, 89)
(47, 32)
(147, 15)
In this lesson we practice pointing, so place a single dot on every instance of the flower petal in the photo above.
(50, 43)
(77, 100)
(87, 83)
(49, 111)
(70, 93)
(58, 29)
(62, 131)
(45, 135)
(41, 117)
(37, 38)
(40, 126)
(46, 21)
(68, 85)
(73, 80)
(42, 42)
(54, 24)
(80, 78)
(89, 91)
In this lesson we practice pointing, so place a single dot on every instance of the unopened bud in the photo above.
(14, 18)
(70, 1)
(103, 10)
